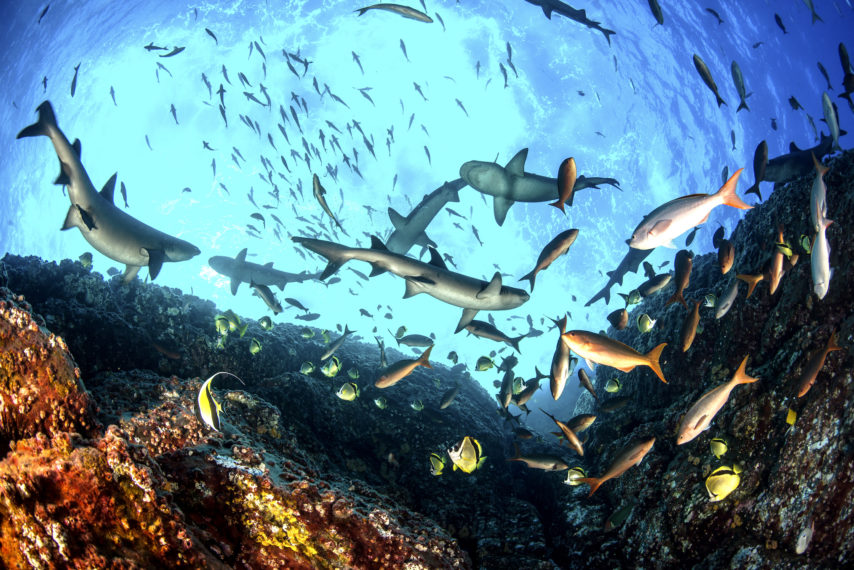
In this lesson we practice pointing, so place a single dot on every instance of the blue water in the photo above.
(645, 118)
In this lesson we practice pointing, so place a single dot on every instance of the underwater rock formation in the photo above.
(105, 459)
(796, 478)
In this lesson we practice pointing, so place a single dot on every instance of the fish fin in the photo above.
(514, 342)
(72, 218)
(741, 376)
(466, 318)
(727, 193)
(235, 283)
(793, 147)
(831, 344)
(130, 273)
(559, 205)
(500, 207)
(241, 256)
(592, 365)
(436, 259)
(653, 357)
(396, 219)
(493, 288)
(743, 104)
(820, 168)
(700, 420)
(754, 190)
(547, 11)
(156, 257)
(376, 270)
(412, 287)
(593, 482)
(64, 177)
(377, 243)
(532, 276)
(660, 227)
(424, 241)
(422, 360)
(109, 190)
(677, 296)
(42, 126)
(516, 166)
(269, 265)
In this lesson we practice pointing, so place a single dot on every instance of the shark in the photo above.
(434, 278)
(567, 11)
(111, 231)
(630, 263)
(797, 162)
(509, 184)
(241, 271)
(409, 230)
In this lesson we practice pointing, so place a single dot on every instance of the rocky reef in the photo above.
(107, 465)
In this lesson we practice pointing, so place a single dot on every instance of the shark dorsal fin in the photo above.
(76, 145)
(436, 259)
(241, 256)
(109, 189)
(793, 147)
(517, 163)
(377, 243)
(396, 219)
(270, 265)
(493, 288)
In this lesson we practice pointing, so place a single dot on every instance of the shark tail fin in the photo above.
(46, 121)
(720, 100)
(514, 342)
(727, 193)
(532, 276)
(608, 33)
(742, 105)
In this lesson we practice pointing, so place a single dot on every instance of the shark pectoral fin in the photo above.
(415, 285)
(548, 12)
(501, 207)
(396, 219)
(156, 257)
(109, 189)
(492, 289)
(436, 259)
(516, 166)
(241, 256)
(377, 243)
(72, 218)
(468, 316)
(235, 283)
(130, 273)
(425, 241)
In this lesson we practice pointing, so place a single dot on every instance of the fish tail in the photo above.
(819, 167)
(593, 482)
(727, 192)
(721, 100)
(743, 105)
(652, 357)
(677, 296)
(559, 205)
(741, 376)
(831, 343)
(514, 342)
(532, 276)
(42, 126)
(422, 360)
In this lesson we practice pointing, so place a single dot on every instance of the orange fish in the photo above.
(401, 369)
(689, 327)
(814, 366)
(630, 456)
(566, 176)
(598, 348)
(776, 272)
(726, 256)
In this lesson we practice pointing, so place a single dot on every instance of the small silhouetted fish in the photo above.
(46, 8)
(780, 23)
(211, 34)
(74, 80)
(308, 317)
(716, 15)
(795, 103)
(175, 51)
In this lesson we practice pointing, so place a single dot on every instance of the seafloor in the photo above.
(107, 466)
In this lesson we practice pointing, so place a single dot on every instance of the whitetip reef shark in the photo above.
(510, 184)
(434, 278)
(116, 234)
(241, 271)
(409, 230)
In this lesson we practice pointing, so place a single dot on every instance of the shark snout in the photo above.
(181, 251)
